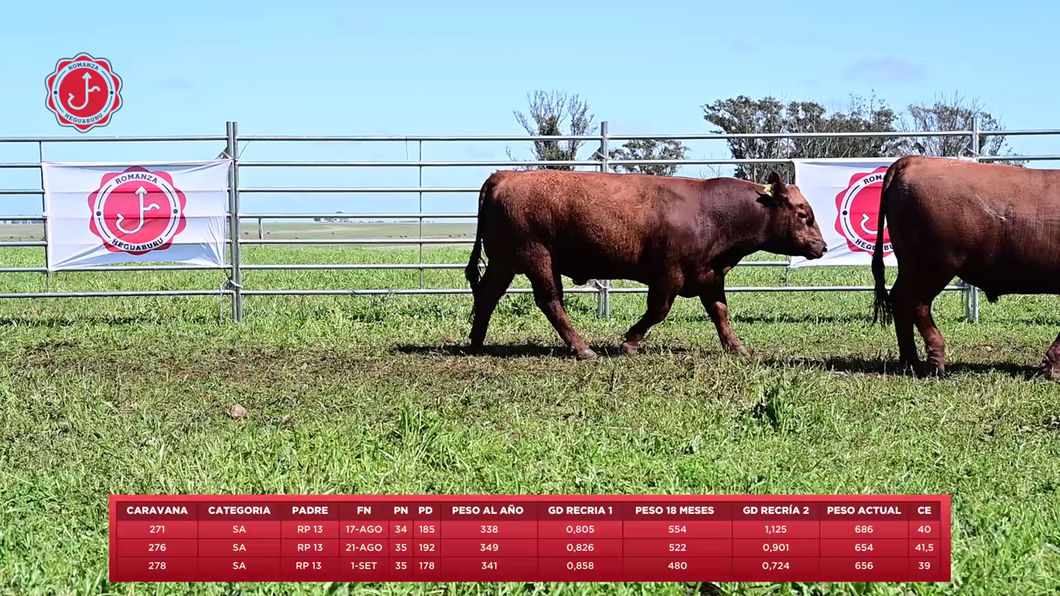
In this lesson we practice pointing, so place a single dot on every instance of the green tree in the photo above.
(649, 149)
(953, 114)
(549, 114)
(744, 115)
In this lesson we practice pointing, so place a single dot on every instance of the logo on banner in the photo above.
(137, 211)
(858, 206)
(83, 92)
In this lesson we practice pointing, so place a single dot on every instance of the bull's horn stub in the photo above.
(768, 190)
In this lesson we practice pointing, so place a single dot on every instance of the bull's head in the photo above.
(792, 228)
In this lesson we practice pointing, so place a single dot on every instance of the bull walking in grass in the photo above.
(995, 226)
(678, 236)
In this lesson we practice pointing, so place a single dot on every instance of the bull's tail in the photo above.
(882, 305)
(471, 272)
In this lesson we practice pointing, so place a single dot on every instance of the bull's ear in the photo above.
(777, 183)
(768, 196)
(775, 192)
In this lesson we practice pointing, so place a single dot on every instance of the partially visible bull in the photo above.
(995, 226)
(678, 236)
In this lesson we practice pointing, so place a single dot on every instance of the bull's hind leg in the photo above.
(912, 304)
(934, 344)
(661, 297)
(490, 290)
(1051, 364)
(713, 299)
(903, 310)
(548, 294)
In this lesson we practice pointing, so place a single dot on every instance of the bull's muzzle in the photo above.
(817, 251)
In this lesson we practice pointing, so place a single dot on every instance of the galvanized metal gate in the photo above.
(234, 288)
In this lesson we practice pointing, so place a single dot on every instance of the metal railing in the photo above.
(233, 286)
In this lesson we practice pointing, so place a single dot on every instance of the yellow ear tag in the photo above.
(768, 190)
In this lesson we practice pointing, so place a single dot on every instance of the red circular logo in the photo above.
(858, 206)
(83, 92)
(137, 211)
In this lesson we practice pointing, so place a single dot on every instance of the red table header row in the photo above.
(681, 508)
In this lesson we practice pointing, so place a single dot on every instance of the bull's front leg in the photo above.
(713, 299)
(661, 297)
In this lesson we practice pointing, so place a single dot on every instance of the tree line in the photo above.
(558, 114)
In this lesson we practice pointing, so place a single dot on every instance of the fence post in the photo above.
(788, 259)
(236, 282)
(44, 210)
(603, 296)
(971, 293)
(419, 158)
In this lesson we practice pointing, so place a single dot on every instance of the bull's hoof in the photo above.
(909, 367)
(1050, 372)
(737, 350)
(476, 348)
(585, 354)
(933, 369)
(629, 349)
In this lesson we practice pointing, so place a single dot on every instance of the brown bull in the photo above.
(678, 236)
(995, 226)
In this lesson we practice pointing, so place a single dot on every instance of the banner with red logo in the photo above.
(102, 214)
(845, 197)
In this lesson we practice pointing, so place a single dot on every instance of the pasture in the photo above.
(355, 394)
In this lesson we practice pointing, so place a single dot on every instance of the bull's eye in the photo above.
(803, 216)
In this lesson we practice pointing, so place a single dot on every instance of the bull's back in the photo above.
(995, 226)
(602, 223)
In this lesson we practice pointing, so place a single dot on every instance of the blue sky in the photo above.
(409, 68)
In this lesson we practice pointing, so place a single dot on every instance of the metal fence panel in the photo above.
(600, 161)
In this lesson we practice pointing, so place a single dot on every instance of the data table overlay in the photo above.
(529, 538)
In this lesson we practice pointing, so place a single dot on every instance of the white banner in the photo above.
(151, 213)
(845, 197)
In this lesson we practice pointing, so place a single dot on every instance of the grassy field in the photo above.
(355, 394)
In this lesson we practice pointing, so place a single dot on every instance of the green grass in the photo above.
(355, 394)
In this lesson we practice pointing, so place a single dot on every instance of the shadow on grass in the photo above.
(529, 350)
(888, 367)
(843, 364)
(59, 322)
(865, 319)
